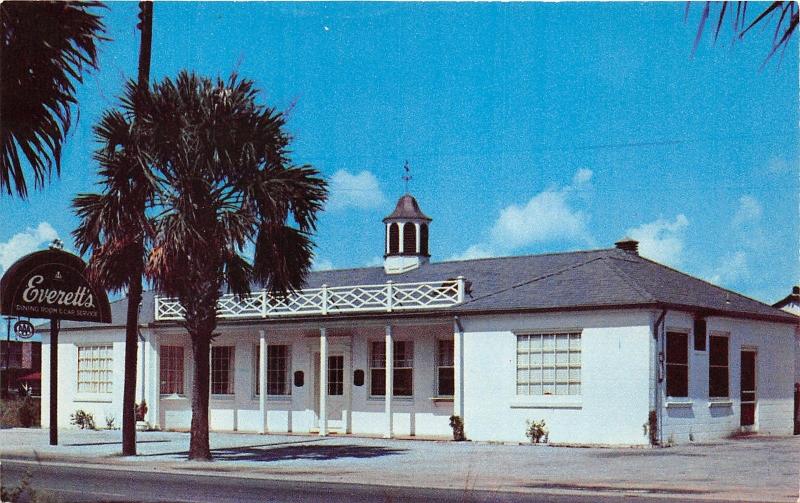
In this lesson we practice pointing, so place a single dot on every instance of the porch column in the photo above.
(323, 382)
(458, 370)
(262, 379)
(155, 359)
(389, 381)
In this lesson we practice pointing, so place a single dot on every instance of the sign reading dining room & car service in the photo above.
(52, 284)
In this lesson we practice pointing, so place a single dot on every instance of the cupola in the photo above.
(406, 237)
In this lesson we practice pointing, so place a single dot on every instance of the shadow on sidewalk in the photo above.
(291, 450)
(306, 452)
(115, 443)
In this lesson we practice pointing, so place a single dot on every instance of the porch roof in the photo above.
(596, 279)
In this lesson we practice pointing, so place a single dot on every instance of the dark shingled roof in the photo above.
(407, 208)
(597, 279)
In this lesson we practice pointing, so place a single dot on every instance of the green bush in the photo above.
(536, 431)
(83, 419)
(21, 412)
(457, 424)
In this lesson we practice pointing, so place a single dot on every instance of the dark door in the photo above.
(748, 387)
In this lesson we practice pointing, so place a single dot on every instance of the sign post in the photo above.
(52, 284)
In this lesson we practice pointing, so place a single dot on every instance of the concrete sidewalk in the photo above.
(750, 469)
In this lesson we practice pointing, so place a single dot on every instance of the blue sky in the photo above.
(529, 128)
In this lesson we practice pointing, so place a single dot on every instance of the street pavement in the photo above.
(746, 469)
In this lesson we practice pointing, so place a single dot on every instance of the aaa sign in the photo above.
(52, 284)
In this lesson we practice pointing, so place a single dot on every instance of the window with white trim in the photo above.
(95, 368)
(278, 369)
(171, 369)
(403, 378)
(549, 363)
(677, 364)
(718, 367)
(222, 370)
(445, 376)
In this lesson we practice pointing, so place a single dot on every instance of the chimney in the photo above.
(628, 245)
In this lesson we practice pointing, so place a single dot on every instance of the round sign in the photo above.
(23, 329)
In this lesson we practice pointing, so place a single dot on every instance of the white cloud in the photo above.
(374, 261)
(25, 242)
(733, 267)
(473, 252)
(360, 191)
(662, 240)
(321, 264)
(547, 216)
(582, 177)
(779, 166)
(749, 210)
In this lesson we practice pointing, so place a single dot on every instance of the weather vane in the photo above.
(407, 175)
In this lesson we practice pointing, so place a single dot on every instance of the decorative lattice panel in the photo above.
(330, 300)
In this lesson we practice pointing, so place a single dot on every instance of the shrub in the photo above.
(536, 431)
(652, 427)
(457, 424)
(110, 421)
(28, 412)
(82, 419)
(141, 410)
(23, 412)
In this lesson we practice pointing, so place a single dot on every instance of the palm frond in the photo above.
(46, 47)
(785, 27)
(225, 179)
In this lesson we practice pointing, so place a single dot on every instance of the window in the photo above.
(278, 369)
(718, 367)
(95, 369)
(677, 364)
(699, 334)
(336, 375)
(549, 364)
(445, 380)
(402, 381)
(171, 370)
(409, 238)
(394, 238)
(222, 370)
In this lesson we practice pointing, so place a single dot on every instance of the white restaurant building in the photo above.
(600, 344)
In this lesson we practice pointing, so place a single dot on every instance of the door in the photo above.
(748, 389)
(336, 403)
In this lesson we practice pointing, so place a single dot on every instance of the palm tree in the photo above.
(222, 180)
(45, 48)
(114, 225)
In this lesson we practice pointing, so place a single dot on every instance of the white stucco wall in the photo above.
(614, 402)
(417, 415)
(69, 400)
(697, 418)
(618, 377)
(795, 310)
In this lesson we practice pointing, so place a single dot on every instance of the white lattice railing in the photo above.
(327, 300)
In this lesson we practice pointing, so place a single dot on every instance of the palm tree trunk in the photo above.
(131, 351)
(199, 448)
